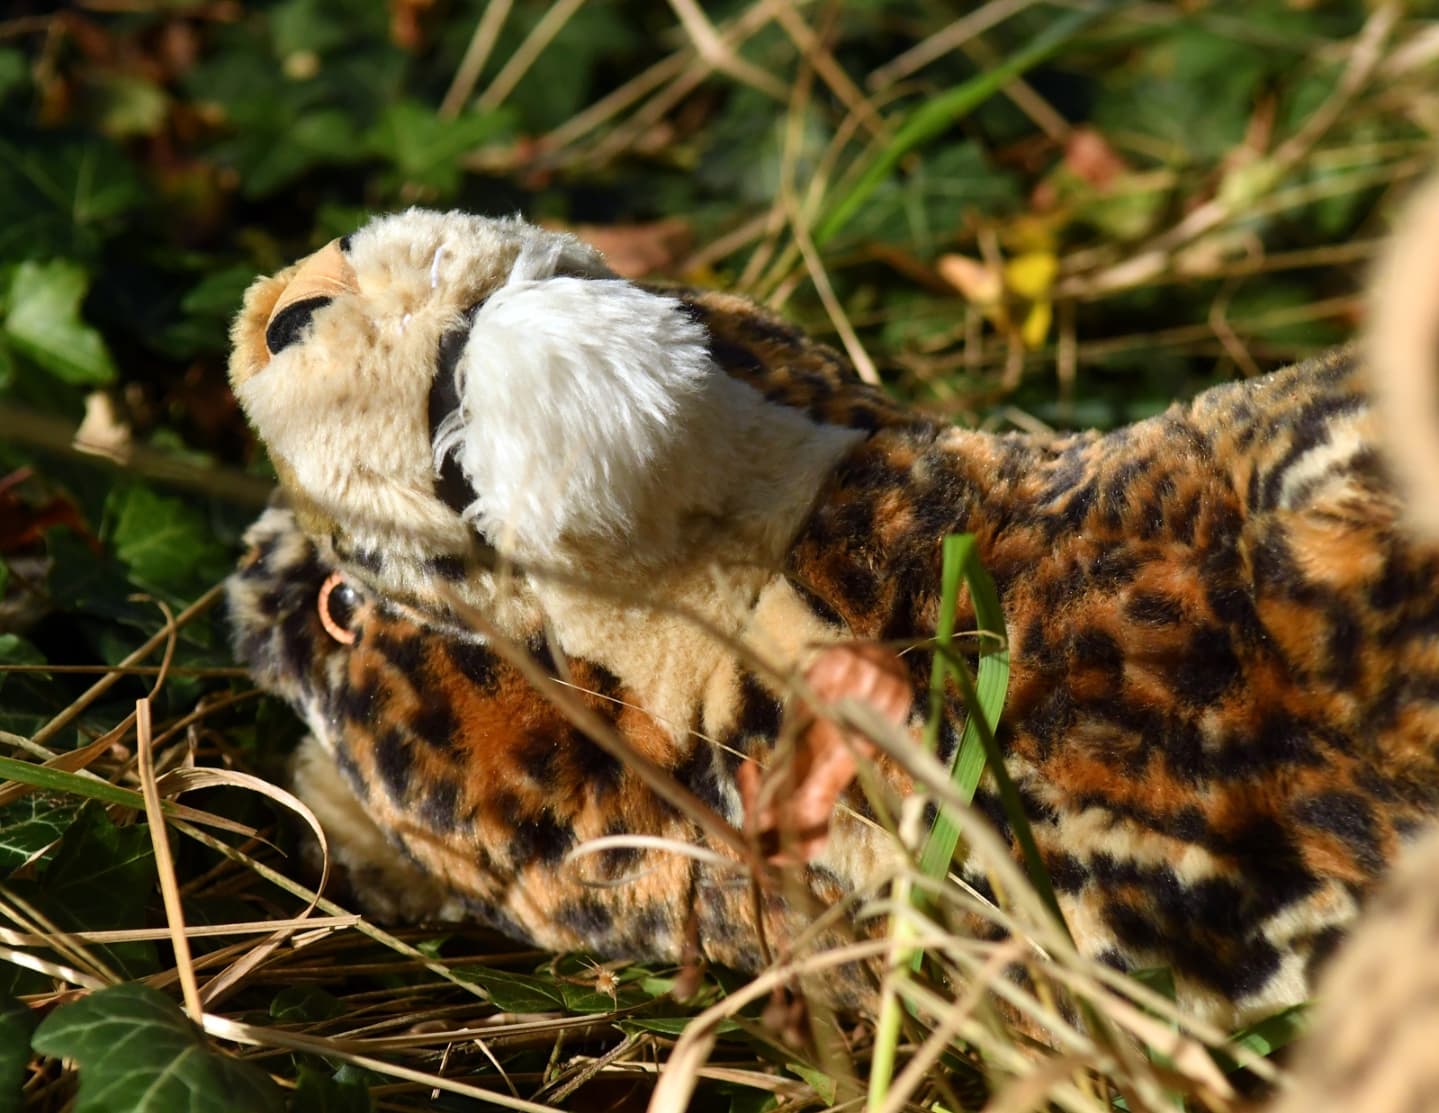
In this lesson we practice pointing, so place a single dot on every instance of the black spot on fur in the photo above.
(356, 702)
(697, 773)
(405, 653)
(1113, 569)
(1210, 667)
(541, 838)
(476, 662)
(451, 487)
(537, 754)
(540, 653)
(1066, 872)
(759, 710)
(291, 323)
(587, 917)
(436, 725)
(394, 762)
(1268, 855)
(447, 567)
(817, 606)
(600, 771)
(1313, 426)
(1097, 650)
(616, 861)
(1281, 740)
(734, 357)
(1351, 818)
(1321, 948)
(438, 808)
(367, 559)
(1152, 609)
(1342, 653)
(297, 636)
(1114, 960)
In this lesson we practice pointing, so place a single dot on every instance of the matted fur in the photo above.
(1223, 716)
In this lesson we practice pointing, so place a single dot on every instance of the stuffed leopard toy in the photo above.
(508, 475)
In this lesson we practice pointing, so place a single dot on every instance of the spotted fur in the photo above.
(1224, 705)
(486, 789)
(1372, 1042)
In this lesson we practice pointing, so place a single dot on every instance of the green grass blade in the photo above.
(57, 780)
(984, 698)
(961, 561)
(939, 113)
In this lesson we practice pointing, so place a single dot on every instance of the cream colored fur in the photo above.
(345, 410)
(573, 393)
(1402, 344)
(395, 887)
(585, 404)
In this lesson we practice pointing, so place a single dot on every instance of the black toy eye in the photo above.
(285, 329)
(336, 603)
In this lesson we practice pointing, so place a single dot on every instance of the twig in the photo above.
(823, 61)
(715, 51)
(104, 684)
(853, 348)
(943, 41)
(1153, 258)
(482, 42)
(165, 862)
(550, 25)
(55, 435)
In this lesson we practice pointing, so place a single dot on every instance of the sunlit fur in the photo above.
(1371, 1046)
(1223, 711)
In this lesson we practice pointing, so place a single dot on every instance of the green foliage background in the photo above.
(1177, 194)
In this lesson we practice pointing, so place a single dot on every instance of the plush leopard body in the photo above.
(1223, 714)
(1372, 1043)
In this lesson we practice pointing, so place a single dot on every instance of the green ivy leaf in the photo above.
(673, 1026)
(17, 1022)
(14, 71)
(133, 106)
(29, 698)
(102, 876)
(138, 1053)
(424, 148)
(516, 993)
(218, 294)
(318, 1092)
(166, 544)
(30, 824)
(63, 193)
(15, 650)
(103, 873)
(269, 160)
(297, 1003)
(44, 322)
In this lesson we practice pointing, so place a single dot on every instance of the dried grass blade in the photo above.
(165, 862)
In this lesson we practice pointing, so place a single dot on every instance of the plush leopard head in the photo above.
(437, 389)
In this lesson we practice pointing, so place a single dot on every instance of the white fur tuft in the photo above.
(571, 390)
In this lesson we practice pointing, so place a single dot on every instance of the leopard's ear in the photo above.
(570, 392)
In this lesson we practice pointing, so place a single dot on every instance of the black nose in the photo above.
(285, 329)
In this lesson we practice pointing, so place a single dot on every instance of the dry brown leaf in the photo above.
(980, 283)
(1090, 158)
(791, 815)
(640, 250)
